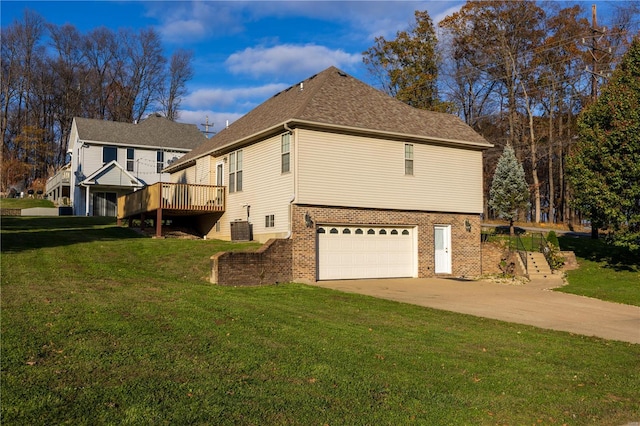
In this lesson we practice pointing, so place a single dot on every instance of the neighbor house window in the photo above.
(235, 171)
(109, 154)
(408, 159)
(130, 155)
(269, 221)
(159, 161)
(286, 152)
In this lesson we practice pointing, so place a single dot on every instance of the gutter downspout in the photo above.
(293, 197)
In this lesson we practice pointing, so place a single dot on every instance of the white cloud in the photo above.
(290, 59)
(184, 28)
(224, 97)
(194, 21)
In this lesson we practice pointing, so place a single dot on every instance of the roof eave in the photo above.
(132, 145)
(388, 134)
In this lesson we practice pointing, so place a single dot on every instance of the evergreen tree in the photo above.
(605, 167)
(509, 190)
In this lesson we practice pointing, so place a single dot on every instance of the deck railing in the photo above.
(172, 196)
(61, 177)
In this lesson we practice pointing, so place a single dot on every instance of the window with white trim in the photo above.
(285, 149)
(408, 159)
(235, 171)
(130, 159)
(269, 221)
(159, 161)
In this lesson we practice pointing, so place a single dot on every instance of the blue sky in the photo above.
(246, 51)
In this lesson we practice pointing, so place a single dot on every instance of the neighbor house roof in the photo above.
(154, 131)
(332, 98)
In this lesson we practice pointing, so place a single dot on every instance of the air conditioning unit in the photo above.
(241, 230)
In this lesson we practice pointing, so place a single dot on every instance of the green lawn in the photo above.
(102, 326)
(24, 203)
(605, 272)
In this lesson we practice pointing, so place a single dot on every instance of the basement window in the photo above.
(269, 221)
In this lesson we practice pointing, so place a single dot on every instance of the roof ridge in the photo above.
(314, 90)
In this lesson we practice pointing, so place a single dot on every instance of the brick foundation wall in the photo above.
(268, 265)
(492, 255)
(465, 245)
(10, 212)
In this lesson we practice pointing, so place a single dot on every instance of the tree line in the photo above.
(519, 73)
(52, 73)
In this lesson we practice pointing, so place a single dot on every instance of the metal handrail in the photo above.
(538, 243)
(519, 247)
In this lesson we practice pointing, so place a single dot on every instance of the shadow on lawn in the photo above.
(617, 258)
(26, 233)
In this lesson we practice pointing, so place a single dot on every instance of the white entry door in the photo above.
(442, 237)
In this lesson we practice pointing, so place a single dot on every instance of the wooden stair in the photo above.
(537, 266)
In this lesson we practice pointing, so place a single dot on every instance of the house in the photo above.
(358, 183)
(110, 158)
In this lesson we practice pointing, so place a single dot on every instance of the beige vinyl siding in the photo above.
(350, 171)
(203, 170)
(187, 175)
(264, 188)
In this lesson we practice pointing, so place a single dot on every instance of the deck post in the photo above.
(159, 223)
(143, 217)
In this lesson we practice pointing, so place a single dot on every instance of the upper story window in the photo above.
(130, 159)
(235, 171)
(109, 153)
(408, 159)
(286, 152)
(159, 161)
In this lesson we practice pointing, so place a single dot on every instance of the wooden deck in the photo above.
(164, 199)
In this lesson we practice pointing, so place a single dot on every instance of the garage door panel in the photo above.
(374, 252)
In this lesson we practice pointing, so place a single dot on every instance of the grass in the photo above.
(24, 203)
(102, 326)
(606, 272)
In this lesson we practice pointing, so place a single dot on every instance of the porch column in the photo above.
(88, 193)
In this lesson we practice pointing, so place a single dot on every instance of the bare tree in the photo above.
(180, 71)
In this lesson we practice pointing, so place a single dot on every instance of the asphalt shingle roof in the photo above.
(332, 97)
(154, 131)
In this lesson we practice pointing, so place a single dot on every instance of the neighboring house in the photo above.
(362, 184)
(109, 159)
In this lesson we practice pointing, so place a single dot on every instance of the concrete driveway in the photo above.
(531, 303)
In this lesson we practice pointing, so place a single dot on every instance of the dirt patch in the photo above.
(170, 232)
(570, 261)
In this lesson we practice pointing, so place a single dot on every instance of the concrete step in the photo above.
(537, 266)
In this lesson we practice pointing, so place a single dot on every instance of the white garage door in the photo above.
(350, 252)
